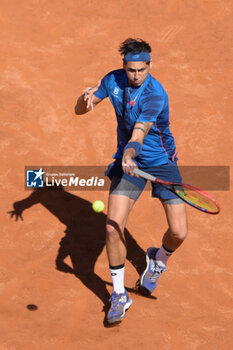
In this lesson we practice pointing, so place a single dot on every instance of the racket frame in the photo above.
(165, 183)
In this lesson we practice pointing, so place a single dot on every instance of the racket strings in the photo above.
(197, 199)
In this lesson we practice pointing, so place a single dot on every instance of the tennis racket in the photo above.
(189, 194)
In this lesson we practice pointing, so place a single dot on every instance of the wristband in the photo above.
(136, 146)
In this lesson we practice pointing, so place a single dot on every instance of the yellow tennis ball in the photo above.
(98, 206)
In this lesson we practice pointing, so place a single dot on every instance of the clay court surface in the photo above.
(50, 52)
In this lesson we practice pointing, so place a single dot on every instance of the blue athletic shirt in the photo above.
(151, 105)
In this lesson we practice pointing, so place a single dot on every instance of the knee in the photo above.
(113, 232)
(179, 232)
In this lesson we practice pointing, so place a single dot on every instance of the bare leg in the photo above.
(172, 239)
(177, 222)
(119, 208)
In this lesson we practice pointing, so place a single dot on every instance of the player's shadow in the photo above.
(84, 237)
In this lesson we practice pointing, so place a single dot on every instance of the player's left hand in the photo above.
(89, 95)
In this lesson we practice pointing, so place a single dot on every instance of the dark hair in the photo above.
(134, 45)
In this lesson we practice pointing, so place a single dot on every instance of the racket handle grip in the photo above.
(144, 175)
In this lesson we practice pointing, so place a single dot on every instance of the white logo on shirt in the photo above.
(115, 91)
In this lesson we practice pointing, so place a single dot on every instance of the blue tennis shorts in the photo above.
(132, 187)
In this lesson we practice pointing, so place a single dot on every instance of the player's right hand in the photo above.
(89, 95)
(128, 164)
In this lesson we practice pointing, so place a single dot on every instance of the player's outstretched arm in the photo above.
(87, 101)
(140, 131)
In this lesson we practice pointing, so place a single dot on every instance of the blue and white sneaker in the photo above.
(149, 278)
(119, 305)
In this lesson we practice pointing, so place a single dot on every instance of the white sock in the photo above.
(117, 273)
(163, 255)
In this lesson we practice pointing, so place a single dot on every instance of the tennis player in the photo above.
(144, 141)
